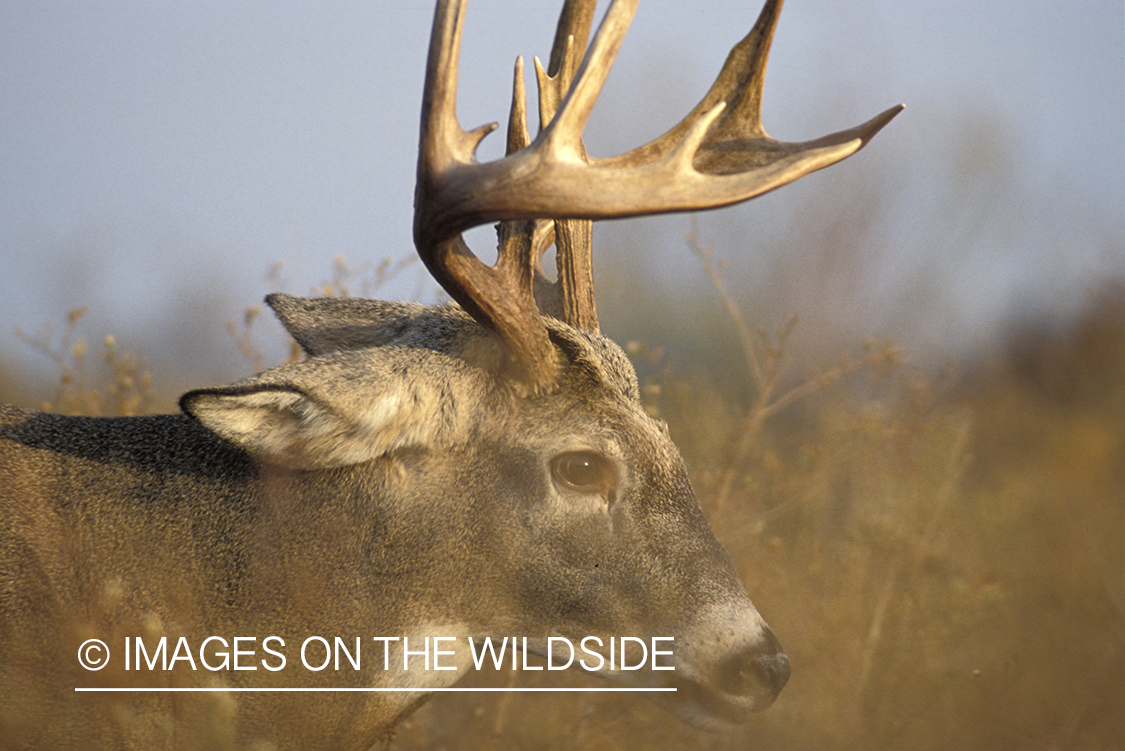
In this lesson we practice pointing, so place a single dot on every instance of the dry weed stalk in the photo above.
(124, 391)
(366, 278)
(766, 363)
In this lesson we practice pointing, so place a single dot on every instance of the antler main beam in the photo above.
(716, 156)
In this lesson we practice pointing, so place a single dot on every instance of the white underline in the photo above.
(195, 689)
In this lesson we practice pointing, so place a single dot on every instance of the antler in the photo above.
(718, 155)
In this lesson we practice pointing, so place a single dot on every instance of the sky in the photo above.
(157, 159)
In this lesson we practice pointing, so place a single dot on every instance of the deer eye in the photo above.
(583, 471)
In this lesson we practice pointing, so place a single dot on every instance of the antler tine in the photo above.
(522, 242)
(718, 155)
(737, 142)
(571, 298)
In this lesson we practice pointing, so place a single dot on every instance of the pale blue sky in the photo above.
(152, 148)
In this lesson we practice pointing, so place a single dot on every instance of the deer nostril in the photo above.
(757, 670)
(776, 670)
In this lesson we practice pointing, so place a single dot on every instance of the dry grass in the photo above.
(116, 384)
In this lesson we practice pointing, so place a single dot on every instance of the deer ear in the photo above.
(282, 425)
(327, 324)
(339, 410)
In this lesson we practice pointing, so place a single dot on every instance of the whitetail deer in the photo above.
(466, 471)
